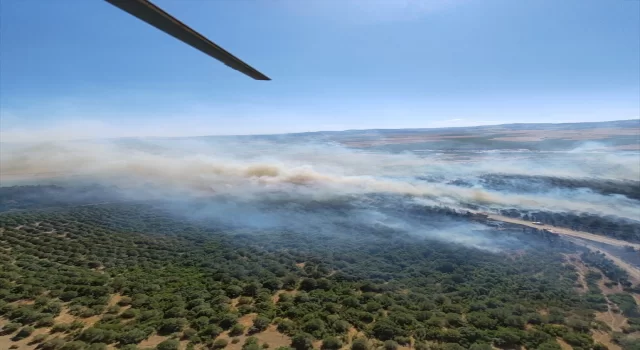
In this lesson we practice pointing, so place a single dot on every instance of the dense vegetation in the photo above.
(193, 281)
(532, 184)
(43, 196)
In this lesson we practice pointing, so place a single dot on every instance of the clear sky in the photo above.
(72, 66)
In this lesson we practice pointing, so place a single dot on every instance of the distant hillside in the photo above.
(631, 123)
(619, 135)
(612, 135)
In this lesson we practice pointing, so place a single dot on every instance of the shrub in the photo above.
(76, 325)
(74, 345)
(38, 338)
(260, 324)
(114, 309)
(129, 313)
(189, 333)
(129, 347)
(10, 328)
(220, 343)
(236, 330)
(52, 344)
(211, 331)
(23, 333)
(68, 295)
(302, 341)
(169, 344)
(171, 325)
(331, 343)
(424, 346)
(360, 344)
(124, 301)
(250, 340)
(228, 320)
(45, 322)
(133, 336)
(60, 327)
(390, 345)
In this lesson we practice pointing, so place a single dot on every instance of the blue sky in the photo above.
(72, 67)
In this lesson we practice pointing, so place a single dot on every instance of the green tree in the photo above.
(74, 345)
(260, 323)
(360, 344)
(506, 337)
(52, 344)
(289, 282)
(236, 330)
(171, 325)
(314, 327)
(169, 344)
(550, 345)
(68, 295)
(308, 284)
(133, 336)
(38, 338)
(23, 333)
(210, 331)
(228, 320)
(385, 329)
(302, 341)
(45, 322)
(220, 344)
(10, 328)
(480, 346)
(331, 343)
(390, 345)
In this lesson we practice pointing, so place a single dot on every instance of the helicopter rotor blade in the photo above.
(155, 16)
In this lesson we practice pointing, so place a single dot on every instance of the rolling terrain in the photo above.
(511, 237)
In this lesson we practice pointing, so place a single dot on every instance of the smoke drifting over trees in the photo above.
(319, 186)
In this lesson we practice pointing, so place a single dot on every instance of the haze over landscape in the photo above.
(473, 185)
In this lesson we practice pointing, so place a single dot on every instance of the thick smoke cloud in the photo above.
(316, 186)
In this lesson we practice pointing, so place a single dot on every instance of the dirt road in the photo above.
(634, 272)
(565, 231)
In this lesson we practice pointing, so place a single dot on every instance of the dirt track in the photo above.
(634, 272)
(566, 231)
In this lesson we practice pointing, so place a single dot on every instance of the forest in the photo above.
(115, 275)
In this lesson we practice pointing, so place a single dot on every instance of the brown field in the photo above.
(499, 133)
(606, 290)
(605, 339)
(65, 316)
(152, 341)
(563, 344)
(270, 336)
(614, 320)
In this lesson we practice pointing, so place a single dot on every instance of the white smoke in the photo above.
(251, 168)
